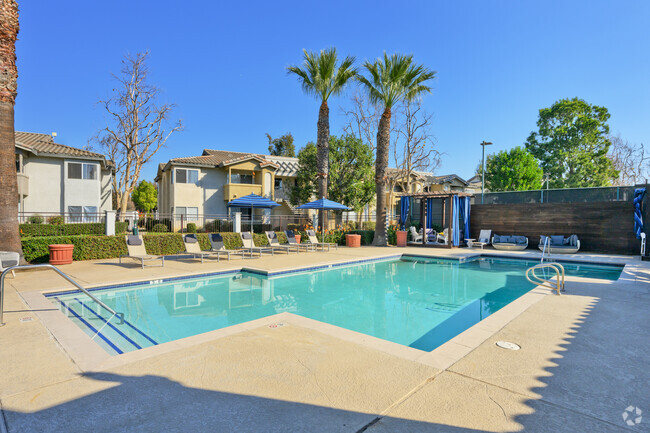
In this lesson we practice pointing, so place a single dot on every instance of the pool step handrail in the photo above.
(58, 271)
(546, 249)
(557, 285)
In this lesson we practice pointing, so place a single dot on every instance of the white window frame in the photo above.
(84, 167)
(188, 172)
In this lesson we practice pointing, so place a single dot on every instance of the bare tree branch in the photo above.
(137, 129)
(631, 160)
(362, 120)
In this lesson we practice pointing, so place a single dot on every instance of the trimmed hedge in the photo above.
(69, 229)
(35, 248)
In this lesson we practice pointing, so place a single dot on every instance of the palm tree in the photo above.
(321, 76)
(9, 231)
(391, 80)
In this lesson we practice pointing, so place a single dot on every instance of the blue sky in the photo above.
(223, 65)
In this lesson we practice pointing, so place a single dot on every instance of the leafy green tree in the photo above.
(282, 146)
(322, 76)
(390, 80)
(351, 172)
(572, 144)
(513, 170)
(145, 196)
(306, 185)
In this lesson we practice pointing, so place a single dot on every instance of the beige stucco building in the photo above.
(203, 185)
(56, 179)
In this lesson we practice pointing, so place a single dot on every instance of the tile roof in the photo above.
(43, 144)
(285, 166)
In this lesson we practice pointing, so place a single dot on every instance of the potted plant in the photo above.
(61, 254)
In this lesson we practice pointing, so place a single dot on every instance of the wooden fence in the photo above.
(606, 227)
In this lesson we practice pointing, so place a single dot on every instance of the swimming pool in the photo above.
(414, 301)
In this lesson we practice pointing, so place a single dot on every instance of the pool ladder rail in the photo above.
(557, 285)
(11, 269)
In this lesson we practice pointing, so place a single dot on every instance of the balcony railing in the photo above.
(234, 190)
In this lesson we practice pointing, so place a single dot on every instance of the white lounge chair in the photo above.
(9, 259)
(483, 239)
(416, 237)
(218, 247)
(193, 248)
(274, 243)
(249, 245)
(313, 240)
(291, 238)
(137, 251)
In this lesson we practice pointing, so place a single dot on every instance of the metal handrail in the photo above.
(58, 271)
(546, 245)
(558, 286)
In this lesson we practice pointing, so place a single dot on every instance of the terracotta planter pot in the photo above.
(61, 254)
(401, 238)
(353, 241)
(298, 238)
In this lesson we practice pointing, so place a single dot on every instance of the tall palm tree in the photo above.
(390, 80)
(9, 232)
(321, 75)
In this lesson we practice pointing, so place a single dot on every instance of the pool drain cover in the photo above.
(508, 345)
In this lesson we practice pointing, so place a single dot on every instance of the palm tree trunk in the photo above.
(383, 146)
(9, 229)
(323, 159)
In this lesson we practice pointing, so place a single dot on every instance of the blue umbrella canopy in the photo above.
(253, 200)
(323, 204)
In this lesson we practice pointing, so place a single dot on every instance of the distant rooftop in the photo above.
(44, 145)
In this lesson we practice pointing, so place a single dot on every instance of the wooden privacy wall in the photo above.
(606, 227)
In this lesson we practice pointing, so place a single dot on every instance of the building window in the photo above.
(85, 214)
(278, 183)
(187, 176)
(189, 213)
(241, 178)
(77, 170)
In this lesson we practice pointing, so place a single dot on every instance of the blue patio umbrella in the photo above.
(323, 204)
(253, 201)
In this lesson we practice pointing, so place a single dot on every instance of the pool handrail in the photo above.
(58, 271)
(558, 286)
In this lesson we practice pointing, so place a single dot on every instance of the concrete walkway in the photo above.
(583, 361)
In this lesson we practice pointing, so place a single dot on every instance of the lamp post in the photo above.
(483, 144)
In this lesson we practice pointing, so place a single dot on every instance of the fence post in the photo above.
(237, 222)
(109, 223)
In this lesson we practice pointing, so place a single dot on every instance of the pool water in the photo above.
(414, 301)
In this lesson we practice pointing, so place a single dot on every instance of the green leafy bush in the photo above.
(191, 227)
(368, 225)
(160, 228)
(35, 219)
(56, 229)
(56, 220)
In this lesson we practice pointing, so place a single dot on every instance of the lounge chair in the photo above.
(416, 237)
(509, 243)
(483, 239)
(216, 241)
(291, 238)
(9, 259)
(558, 244)
(137, 251)
(193, 248)
(313, 240)
(249, 245)
(274, 243)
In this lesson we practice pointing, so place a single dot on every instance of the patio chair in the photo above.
(291, 239)
(443, 238)
(417, 237)
(483, 239)
(249, 245)
(272, 237)
(218, 247)
(9, 259)
(137, 251)
(313, 240)
(558, 244)
(193, 248)
(509, 243)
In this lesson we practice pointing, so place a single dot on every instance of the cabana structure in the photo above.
(455, 213)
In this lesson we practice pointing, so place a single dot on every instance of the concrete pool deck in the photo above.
(583, 361)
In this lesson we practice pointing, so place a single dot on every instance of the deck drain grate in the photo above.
(508, 345)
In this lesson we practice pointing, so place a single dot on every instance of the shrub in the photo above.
(191, 227)
(366, 236)
(69, 229)
(36, 250)
(56, 220)
(35, 219)
(368, 225)
(160, 228)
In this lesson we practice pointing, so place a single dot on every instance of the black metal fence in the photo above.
(60, 217)
(565, 195)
